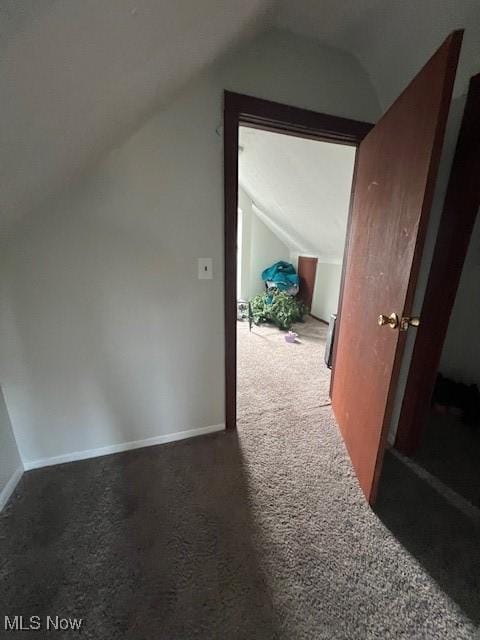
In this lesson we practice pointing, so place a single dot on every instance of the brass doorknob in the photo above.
(406, 322)
(392, 320)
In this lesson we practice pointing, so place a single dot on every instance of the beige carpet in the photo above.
(277, 374)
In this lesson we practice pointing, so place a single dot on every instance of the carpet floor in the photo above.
(272, 374)
(258, 534)
(451, 451)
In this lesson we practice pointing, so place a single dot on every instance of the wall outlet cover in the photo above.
(205, 268)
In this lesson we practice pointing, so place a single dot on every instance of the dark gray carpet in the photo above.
(258, 535)
(444, 539)
(450, 450)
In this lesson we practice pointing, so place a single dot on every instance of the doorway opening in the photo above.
(293, 205)
(393, 188)
(259, 127)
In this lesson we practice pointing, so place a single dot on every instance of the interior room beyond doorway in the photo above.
(293, 204)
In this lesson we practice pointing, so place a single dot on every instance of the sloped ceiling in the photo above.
(300, 188)
(77, 75)
(391, 38)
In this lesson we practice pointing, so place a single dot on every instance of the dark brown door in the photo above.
(307, 270)
(462, 202)
(395, 176)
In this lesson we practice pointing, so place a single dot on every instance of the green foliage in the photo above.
(277, 308)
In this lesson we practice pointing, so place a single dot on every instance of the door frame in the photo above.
(262, 114)
(459, 213)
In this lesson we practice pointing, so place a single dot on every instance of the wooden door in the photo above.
(307, 270)
(462, 202)
(395, 176)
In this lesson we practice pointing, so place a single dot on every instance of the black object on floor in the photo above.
(458, 396)
(330, 340)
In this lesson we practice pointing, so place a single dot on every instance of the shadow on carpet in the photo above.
(157, 542)
(444, 540)
(262, 534)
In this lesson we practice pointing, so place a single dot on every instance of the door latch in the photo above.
(406, 322)
(394, 322)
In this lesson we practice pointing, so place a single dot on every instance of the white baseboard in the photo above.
(122, 446)
(9, 488)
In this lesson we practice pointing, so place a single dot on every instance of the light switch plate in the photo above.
(205, 268)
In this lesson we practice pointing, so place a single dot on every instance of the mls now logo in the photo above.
(34, 623)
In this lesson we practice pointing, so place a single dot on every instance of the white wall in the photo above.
(260, 248)
(461, 352)
(327, 290)
(245, 204)
(11, 467)
(266, 249)
(106, 335)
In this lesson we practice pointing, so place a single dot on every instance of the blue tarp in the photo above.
(283, 274)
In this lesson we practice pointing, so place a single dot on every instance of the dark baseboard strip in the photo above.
(317, 318)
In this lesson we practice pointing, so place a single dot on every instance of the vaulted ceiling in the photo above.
(391, 38)
(301, 189)
(77, 76)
